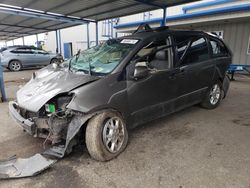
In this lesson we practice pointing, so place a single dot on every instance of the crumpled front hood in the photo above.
(48, 83)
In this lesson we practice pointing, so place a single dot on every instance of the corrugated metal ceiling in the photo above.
(15, 26)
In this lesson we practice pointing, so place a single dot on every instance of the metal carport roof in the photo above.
(20, 18)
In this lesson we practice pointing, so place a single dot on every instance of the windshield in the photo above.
(102, 59)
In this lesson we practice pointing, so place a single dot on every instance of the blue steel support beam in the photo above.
(163, 22)
(213, 12)
(148, 2)
(96, 32)
(88, 45)
(205, 4)
(2, 88)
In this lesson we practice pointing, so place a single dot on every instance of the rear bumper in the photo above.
(4, 63)
(27, 124)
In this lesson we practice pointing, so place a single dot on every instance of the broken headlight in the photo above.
(51, 108)
(58, 104)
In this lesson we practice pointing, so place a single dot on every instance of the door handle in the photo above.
(182, 71)
(177, 72)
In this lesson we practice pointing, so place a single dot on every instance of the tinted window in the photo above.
(182, 44)
(218, 48)
(23, 51)
(3, 49)
(40, 52)
(191, 49)
(196, 52)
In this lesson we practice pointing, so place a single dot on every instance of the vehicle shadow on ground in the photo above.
(23, 69)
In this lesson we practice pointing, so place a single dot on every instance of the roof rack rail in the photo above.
(146, 28)
(213, 34)
(143, 28)
(162, 28)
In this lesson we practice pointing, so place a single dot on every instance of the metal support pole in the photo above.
(37, 45)
(23, 41)
(112, 29)
(163, 22)
(4, 98)
(13, 42)
(5, 43)
(96, 32)
(57, 42)
(109, 29)
(60, 46)
(88, 44)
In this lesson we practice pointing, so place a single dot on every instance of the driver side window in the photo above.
(155, 55)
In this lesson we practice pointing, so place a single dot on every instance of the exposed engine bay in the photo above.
(51, 120)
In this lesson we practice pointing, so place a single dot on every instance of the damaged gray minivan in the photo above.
(98, 94)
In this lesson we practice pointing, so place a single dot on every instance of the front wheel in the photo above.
(213, 97)
(106, 136)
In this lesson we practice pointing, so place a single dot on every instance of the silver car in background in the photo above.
(16, 58)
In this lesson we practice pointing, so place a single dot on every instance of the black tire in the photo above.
(54, 60)
(15, 65)
(212, 98)
(96, 133)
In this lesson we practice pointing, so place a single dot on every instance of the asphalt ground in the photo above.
(191, 148)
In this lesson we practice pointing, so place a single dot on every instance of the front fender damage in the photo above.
(20, 168)
(73, 128)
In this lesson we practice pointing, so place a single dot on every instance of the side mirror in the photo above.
(141, 71)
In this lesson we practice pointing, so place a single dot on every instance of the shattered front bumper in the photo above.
(27, 124)
(20, 168)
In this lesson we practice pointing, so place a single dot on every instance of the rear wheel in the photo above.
(15, 65)
(106, 136)
(213, 97)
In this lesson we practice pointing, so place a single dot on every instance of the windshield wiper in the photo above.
(78, 54)
(77, 57)
(90, 72)
(82, 70)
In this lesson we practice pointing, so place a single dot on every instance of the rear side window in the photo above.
(197, 52)
(23, 51)
(181, 47)
(191, 49)
(218, 48)
(40, 52)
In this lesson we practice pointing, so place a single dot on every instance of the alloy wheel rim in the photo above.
(15, 66)
(113, 134)
(215, 94)
(55, 61)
